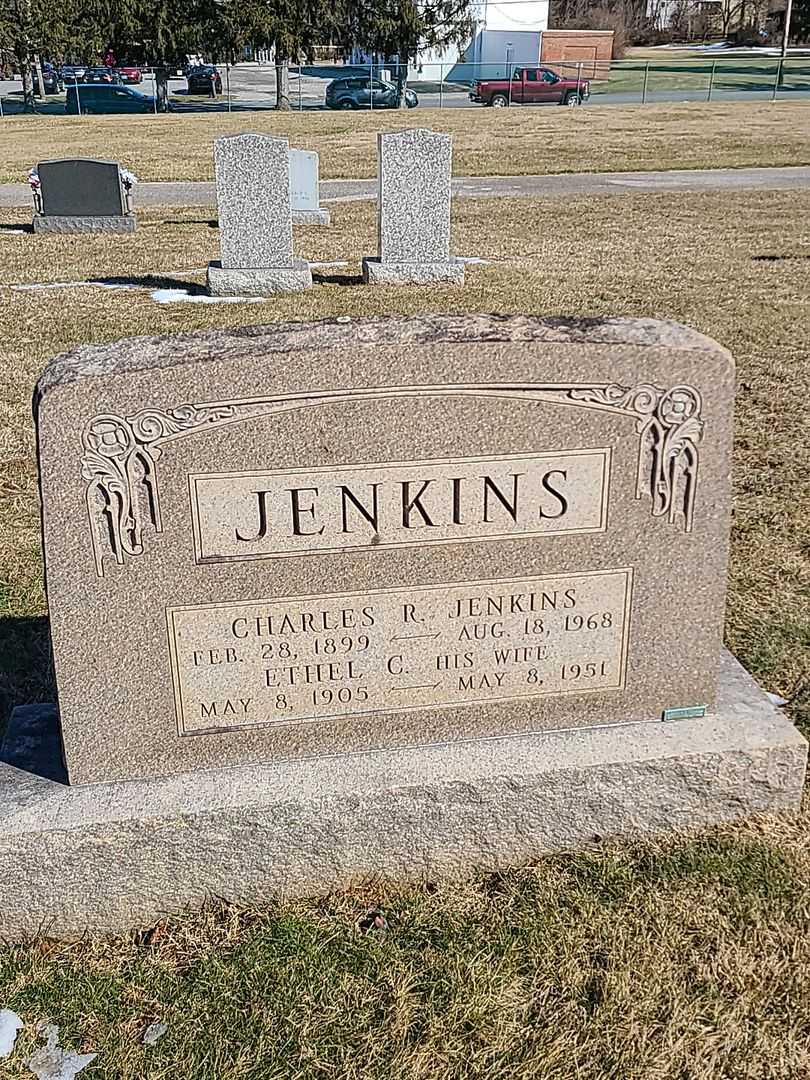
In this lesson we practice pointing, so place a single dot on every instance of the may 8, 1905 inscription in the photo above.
(273, 543)
(294, 660)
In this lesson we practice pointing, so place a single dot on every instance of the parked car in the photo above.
(72, 73)
(51, 80)
(365, 93)
(107, 98)
(202, 79)
(129, 73)
(531, 86)
(102, 75)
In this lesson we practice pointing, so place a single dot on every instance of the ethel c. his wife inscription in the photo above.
(274, 543)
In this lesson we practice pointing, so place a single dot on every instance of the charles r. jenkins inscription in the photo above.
(300, 659)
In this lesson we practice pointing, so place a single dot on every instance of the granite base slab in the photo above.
(311, 217)
(260, 281)
(376, 272)
(107, 857)
(70, 223)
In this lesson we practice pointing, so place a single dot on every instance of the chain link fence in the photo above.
(251, 86)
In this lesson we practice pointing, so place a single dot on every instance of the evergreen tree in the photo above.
(399, 29)
(292, 28)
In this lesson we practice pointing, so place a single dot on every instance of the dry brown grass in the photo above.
(485, 142)
(688, 960)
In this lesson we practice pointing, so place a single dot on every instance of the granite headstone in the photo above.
(255, 219)
(305, 189)
(82, 195)
(464, 574)
(414, 170)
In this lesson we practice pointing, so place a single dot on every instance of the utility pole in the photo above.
(785, 38)
(786, 32)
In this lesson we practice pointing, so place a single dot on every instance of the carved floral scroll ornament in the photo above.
(121, 453)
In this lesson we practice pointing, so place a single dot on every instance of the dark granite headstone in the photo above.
(81, 186)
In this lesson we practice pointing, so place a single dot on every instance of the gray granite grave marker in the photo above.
(414, 170)
(255, 220)
(82, 195)
(305, 190)
(467, 574)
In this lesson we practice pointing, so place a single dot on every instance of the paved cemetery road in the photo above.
(201, 193)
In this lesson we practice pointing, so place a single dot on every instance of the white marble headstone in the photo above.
(303, 180)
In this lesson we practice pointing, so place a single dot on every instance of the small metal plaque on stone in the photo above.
(81, 187)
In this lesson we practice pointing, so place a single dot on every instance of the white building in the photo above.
(507, 32)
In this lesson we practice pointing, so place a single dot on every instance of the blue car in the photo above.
(107, 98)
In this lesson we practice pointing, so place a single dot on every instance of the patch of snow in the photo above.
(154, 1032)
(472, 260)
(13, 232)
(185, 296)
(10, 1024)
(52, 1062)
(322, 265)
(775, 699)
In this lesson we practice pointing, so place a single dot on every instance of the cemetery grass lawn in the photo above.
(486, 142)
(684, 959)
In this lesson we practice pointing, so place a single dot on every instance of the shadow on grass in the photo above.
(778, 258)
(212, 223)
(336, 279)
(19, 227)
(150, 281)
(26, 665)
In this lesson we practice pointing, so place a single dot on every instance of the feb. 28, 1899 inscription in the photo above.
(257, 662)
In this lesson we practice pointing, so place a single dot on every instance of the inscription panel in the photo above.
(303, 659)
(261, 515)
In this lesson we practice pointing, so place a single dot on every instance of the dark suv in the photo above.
(204, 79)
(365, 93)
(107, 98)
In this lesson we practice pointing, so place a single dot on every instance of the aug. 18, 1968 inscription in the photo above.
(257, 662)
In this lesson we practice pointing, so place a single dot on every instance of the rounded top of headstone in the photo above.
(145, 353)
(249, 138)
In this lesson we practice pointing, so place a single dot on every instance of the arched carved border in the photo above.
(120, 453)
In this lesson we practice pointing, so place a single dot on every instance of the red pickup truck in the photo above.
(531, 86)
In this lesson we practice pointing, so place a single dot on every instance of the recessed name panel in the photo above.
(303, 659)
(262, 515)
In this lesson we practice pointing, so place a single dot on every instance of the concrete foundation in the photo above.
(59, 223)
(376, 272)
(107, 857)
(262, 281)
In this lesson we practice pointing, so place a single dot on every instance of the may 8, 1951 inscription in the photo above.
(301, 659)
